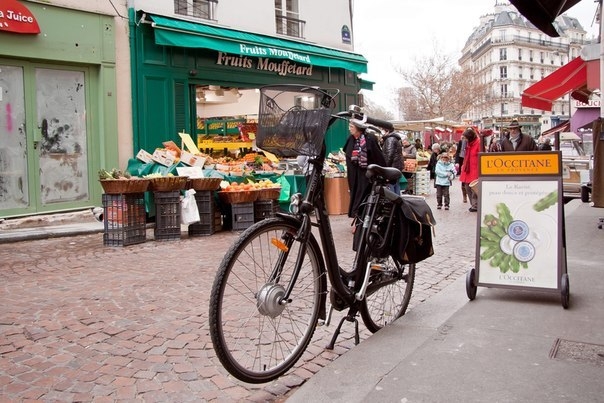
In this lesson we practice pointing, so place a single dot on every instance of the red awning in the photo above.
(574, 77)
(562, 127)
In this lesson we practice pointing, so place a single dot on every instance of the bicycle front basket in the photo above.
(292, 121)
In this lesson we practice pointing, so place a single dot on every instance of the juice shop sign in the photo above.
(15, 17)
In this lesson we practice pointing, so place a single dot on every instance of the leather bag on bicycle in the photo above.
(414, 242)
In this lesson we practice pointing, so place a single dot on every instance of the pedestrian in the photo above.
(409, 150)
(517, 141)
(459, 157)
(392, 148)
(546, 145)
(418, 145)
(445, 173)
(361, 149)
(469, 169)
(433, 160)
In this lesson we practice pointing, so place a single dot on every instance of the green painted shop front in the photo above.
(59, 113)
(164, 77)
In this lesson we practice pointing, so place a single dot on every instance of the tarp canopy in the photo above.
(572, 77)
(421, 125)
(180, 33)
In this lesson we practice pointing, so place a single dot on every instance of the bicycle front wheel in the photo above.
(257, 335)
(388, 294)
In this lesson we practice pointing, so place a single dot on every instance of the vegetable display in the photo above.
(113, 174)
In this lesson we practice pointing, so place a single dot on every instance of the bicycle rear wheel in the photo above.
(388, 294)
(257, 338)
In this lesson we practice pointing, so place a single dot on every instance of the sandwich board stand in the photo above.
(521, 238)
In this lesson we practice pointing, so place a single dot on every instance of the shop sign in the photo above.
(593, 103)
(281, 67)
(519, 229)
(15, 17)
(346, 34)
(519, 164)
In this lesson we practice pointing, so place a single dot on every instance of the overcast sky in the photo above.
(392, 34)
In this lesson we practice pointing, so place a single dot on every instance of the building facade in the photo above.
(200, 61)
(64, 75)
(511, 54)
(85, 84)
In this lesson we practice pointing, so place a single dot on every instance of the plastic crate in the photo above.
(208, 225)
(167, 215)
(264, 209)
(238, 216)
(124, 219)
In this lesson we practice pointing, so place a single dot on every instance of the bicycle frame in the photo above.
(349, 286)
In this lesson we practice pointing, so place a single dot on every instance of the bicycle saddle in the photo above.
(388, 173)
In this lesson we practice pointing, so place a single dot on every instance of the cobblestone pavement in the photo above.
(84, 322)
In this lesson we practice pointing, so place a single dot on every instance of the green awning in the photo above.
(366, 84)
(173, 32)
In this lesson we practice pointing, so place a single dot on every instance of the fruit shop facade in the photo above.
(173, 59)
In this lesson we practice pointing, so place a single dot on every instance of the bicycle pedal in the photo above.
(378, 267)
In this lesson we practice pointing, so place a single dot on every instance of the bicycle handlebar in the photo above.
(384, 124)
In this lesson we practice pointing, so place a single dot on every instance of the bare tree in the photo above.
(439, 88)
(376, 111)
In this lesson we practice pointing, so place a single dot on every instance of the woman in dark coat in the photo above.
(361, 149)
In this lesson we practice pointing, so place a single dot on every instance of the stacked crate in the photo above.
(265, 209)
(422, 182)
(124, 219)
(238, 216)
(167, 215)
(209, 216)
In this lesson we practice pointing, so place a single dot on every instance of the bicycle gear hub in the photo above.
(269, 300)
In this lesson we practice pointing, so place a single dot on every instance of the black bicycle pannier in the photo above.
(414, 242)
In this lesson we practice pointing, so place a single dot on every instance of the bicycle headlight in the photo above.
(295, 202)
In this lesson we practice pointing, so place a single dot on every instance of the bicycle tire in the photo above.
(383, 304)
(255, 338)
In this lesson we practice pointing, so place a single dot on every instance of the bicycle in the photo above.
(271, 288)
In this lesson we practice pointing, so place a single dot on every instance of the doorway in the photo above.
(44, 141)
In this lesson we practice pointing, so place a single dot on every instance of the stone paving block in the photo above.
(72, 307)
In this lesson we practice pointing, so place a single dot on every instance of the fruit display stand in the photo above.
(210, 146)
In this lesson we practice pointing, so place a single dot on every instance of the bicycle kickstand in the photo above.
(349, 318)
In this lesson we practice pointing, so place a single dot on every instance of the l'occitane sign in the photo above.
(535, 163)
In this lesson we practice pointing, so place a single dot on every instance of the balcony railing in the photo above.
(290, 26)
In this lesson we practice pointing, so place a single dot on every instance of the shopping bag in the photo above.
(285, 188)
(189, 213)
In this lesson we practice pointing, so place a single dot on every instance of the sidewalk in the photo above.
(49, 226)
(505, 346)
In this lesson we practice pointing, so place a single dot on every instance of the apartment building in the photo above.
(511, 54)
